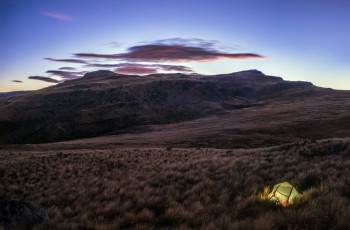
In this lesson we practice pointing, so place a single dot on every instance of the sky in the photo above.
(45, 42)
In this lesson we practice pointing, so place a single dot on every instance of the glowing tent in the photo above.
(284, 193)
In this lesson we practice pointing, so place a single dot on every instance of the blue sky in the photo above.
(304, 40)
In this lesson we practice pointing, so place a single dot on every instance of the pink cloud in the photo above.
(161, 67)
(58, 16)
(136, 70)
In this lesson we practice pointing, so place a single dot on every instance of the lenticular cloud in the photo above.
(170, 53)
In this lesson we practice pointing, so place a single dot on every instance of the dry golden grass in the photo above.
(155, 188)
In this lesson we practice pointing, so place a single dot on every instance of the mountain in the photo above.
(242, 109)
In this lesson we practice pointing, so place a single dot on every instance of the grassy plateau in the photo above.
(114, 187)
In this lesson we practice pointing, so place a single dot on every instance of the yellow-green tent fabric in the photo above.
(284, 193)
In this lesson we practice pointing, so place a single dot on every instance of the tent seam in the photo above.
(289, 195)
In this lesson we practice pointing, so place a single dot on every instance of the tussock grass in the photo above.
(158, 188)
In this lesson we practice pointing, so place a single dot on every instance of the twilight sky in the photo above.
(44, 42)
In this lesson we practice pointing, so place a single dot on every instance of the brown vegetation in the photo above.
(181, 188)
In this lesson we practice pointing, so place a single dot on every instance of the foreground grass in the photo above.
(154, 188)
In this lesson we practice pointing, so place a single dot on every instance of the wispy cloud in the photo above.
(58, 16)
(99, 65)
(67, 68)
(159, 67)
(67, 60)
(174, 50)
(196, 42)
(179, 68)
(68, 75)
(113, 44)
(17, 81)
(46, 79)
(136, 70)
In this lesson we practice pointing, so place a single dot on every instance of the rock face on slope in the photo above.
(103, 102)
(20, 215)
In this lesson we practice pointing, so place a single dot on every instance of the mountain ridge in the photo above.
(103, 103)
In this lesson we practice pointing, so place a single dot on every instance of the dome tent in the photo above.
(284, 193)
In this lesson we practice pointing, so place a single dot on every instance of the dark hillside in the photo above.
(102, 103)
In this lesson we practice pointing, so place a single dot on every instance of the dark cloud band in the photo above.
(67, 60)
(174, 53)
(67, 68)
(66, 74)
(46, 79)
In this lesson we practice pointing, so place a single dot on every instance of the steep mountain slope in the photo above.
(103, 103)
